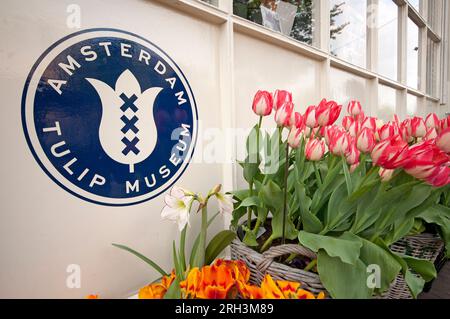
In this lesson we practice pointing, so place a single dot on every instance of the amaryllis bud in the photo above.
(418, 128)
(443, 140)
(390, 153)
(327, 112)
(347, 121)
(387, 130)
(283, 115)
(297, 120)
(280, 97)
(370, 122)
(262, 103)
(315, 149)
(432, 121)
(385, 174)
(339, 143)
(294, 137)
(440, 176)
(365, 142)
(354, 108)
(431, 134)
(310, 117)
(423, 158)
(352, 154)
(354, 129)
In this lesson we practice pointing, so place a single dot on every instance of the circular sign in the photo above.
(109, 117)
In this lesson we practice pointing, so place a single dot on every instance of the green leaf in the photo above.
(423, 267)
(217, 244)
(344, 249)
(250, 238)
(311, 223)
(343, 280)
(438, 215)
(251, 169)
(176, 262)
(251, 201)
(240, 194)
(272, 196)
(174, 291)
(277, 226)
(348, 179)
(142, 257)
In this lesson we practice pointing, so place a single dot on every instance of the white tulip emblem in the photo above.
(127, 129)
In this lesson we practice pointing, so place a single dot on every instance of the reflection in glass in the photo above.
(413, 55)
(348, 30)
(412, 105)
(278, 15)
(213, 2)
(416, 4)
(387, 38)
(387, 100)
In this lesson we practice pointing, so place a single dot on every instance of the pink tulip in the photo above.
(396, 119)
(404, 131)
(360, 117)
(310, 117)
(353, 167)
(352, 154)
(339, 143)
(445, 123)
(262, 103)
(418, 127)
(327, 112)
(354, 108)
(388, 130)
(431, 134)
(295, 137)
(297, 120)
(432, 121)
(423, 158)
(347, 121)
(283, 115)
(390, 153)
(315, 149)
(443, 140)
(370, 122)
(280, 97)
(365, 142)
(440, 176)
(354, 129)
(385, 174)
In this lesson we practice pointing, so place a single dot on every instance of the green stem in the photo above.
(257, 225)
(316, 171)
(348, 179)
(183, 248)
(286, 173)
(249, 209)
(267, 244)
(202, 242)
(311, 265)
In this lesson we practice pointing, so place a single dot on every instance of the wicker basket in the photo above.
(424, 246)
(261, 264)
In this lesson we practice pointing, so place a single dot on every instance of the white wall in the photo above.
(43, 228)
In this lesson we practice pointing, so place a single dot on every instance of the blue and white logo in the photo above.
(109, 117)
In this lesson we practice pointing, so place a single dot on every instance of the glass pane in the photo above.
(413, 55)
(213, 2)
(348, 30)
(432, 51)
(412, 105)
(415, 4)
(387, 38)
(435, 8)
(387, 100)
(293, 18)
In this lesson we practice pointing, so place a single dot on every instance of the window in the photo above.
(387, 38)
(435, 9)
(293, 18)
(412, 54)
(412, 105)
(387, 103)
(348, 30)
(416, 4)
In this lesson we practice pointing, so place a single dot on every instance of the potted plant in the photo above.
(345, 194)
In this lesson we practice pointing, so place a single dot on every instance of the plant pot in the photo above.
(262, 264)
(424, 246)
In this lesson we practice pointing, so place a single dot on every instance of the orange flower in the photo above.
(191, 285)
(92, 297)
(285, 290)
(157, 290)
(250, 291)
(240, 270)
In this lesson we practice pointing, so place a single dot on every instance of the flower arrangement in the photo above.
(347, 192)
(226, 279)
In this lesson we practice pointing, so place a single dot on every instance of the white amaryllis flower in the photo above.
(178, 205)
(225, 203)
